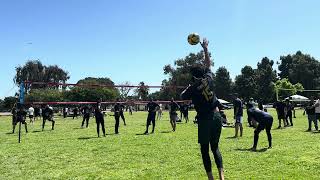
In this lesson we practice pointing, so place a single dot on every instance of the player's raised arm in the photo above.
(204, 45)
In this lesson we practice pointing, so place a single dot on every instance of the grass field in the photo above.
(69, 152)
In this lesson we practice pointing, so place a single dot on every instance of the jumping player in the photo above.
(264, 121)
(152, 110)
(208, 116)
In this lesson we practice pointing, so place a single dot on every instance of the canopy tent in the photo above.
(223, 101)
(298, 98)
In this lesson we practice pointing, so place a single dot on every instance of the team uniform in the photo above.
(311, 113)
(250, 103)
(317, 109)
(121, 114)
(238, 110)
(209, 120)
(47, 114)
(37, 112)
(99, 120)
(265, 121)
(152, 110)
(75, 113)
(173, 114)
(280, 107)
(117, 115)
(185, 111)
(289, 107)
(86, 116)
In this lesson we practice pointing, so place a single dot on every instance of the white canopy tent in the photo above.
(298, 98)
(223, 101)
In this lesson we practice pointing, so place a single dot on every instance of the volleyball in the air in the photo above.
(193, 38)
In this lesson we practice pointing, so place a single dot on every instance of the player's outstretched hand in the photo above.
(204, 43)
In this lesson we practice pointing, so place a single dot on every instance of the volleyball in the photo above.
(193, 38)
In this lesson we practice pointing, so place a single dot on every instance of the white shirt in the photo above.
(31, 111)
(317, 105)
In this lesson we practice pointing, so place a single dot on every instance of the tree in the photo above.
(223, 83)
(35, 71)
(245, 83)
(44, 95)
(142, 91)
(124, 91)
(286, 84)
(8, 102)
(265, 76)
(92, 93)
(300, 68)
(179, 75)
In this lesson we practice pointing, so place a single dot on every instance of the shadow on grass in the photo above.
(249, 149)
(316, 132)
(36, 131)
(79, 128)
(142, 134)
(232, 137)
(165, 131)
(86, 138)
(9, 133)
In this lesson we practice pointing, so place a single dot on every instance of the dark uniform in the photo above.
(75, 112)
(152, 111)
(117, 114)
(311, 113)
(19, 116)
(289, 108)
(121, 114)
(185, 111)
(265, 121)
(37, 112)
(86, 116)
(173, 114)
(280, 106)
(47, 114)
(209, 121)
(99, 120)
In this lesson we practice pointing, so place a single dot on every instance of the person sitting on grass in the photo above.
(264, 121)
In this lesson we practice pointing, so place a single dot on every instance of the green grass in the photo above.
(69, 152)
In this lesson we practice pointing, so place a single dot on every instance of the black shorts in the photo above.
(209, 128)
(281, 116)
(30, 116)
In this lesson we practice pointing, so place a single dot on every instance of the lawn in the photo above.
(70, 152)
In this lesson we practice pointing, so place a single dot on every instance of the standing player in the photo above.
(185, 111)
(249, 119)
(21, 116)
(117, 110)
(121, 113)
(31, 114)
(238, 113)
(265, 121)
(37, 112)
(280, 107)
(206, 104)
(47, 114)
(289, 108)
(86, 116)
(311, 113)
(317, 109)
(75, 112)
(173, 114)
(99, 119)
(159, 112)
(152, 110)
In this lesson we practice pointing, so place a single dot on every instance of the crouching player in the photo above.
(264, 121)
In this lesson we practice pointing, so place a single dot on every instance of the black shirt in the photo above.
(173, 107)
(289, 107)
(238, 105)
(310, 110)
(152, 107)
(47, 112)
(280, 106)
(202, 95)
(98, 113)
(86, 110)
(259, 116)
(21, 115)
(185, 108)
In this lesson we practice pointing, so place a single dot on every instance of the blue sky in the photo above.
(131, 40)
